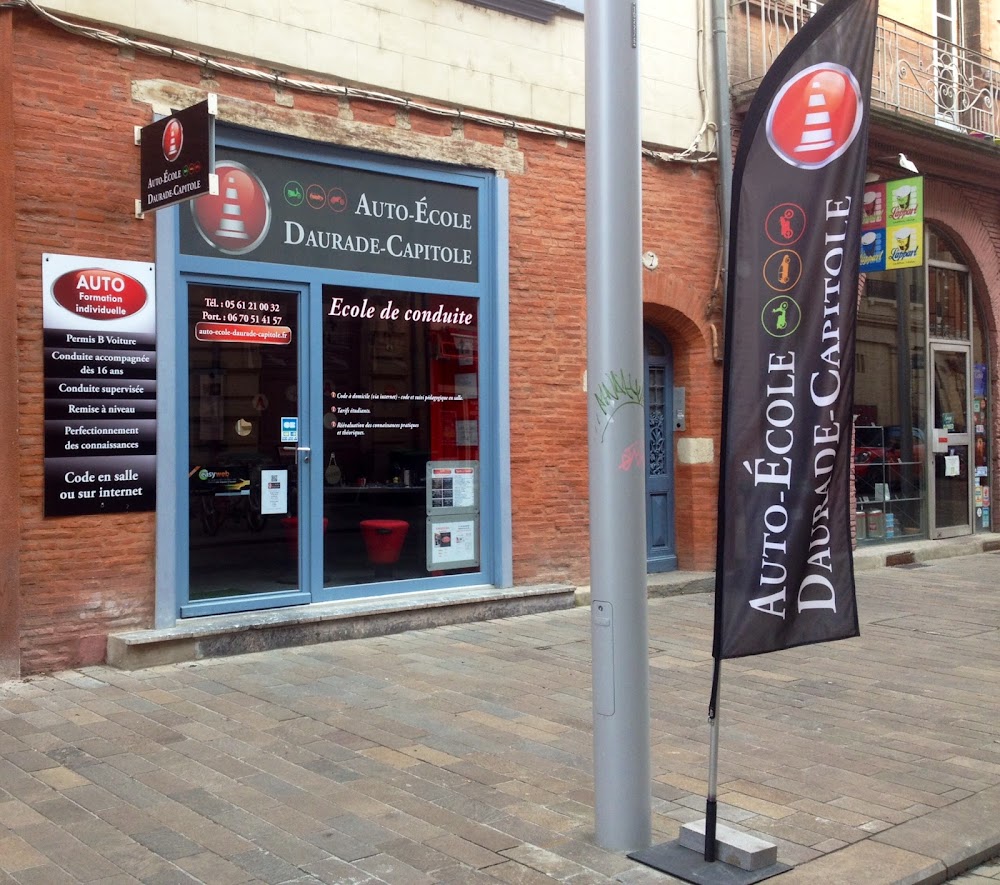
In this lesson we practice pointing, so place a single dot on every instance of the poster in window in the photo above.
(452, 543)
(979, 380)
(466, 433)
(466, 385)
(452, 486)
(274, 492)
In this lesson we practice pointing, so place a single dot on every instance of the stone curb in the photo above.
(927, 850)
(225, 635)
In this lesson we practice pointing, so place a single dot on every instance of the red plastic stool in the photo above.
(384, 539)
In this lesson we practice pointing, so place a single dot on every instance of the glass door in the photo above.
(951, 441)
(245, 448)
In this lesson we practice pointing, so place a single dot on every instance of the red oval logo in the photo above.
(98, 294)
(816, 116)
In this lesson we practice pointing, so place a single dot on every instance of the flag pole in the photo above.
(616, 440)
(711, 798)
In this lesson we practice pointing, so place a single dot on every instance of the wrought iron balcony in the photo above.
(915, 74)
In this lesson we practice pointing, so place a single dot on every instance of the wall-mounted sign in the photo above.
(177, 157)
(287, 211)
(892, 225)
(99, 322)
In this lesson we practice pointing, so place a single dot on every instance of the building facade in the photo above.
(925, 372)
(359, 369)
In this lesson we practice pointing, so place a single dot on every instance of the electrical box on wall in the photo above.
(679, 409)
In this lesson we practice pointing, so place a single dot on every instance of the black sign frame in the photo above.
(177, 157)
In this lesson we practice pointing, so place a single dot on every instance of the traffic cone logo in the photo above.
(816, 116)
(237, 220)
(231, 224)
(816, 133)
(173, 140)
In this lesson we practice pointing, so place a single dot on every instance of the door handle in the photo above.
(304, 449)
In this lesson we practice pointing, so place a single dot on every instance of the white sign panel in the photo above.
(273, 492)
(453, 543)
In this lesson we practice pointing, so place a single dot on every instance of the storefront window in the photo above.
(401, 435)
(922, 410)
(949, 303)
(890, 407)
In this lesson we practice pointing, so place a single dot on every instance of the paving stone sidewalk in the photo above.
(462, 754)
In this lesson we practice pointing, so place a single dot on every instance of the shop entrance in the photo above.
(246, 447)
(951, 476)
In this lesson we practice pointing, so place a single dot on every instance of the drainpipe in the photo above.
(724, 147)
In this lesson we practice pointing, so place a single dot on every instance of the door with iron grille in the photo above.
(661, 555)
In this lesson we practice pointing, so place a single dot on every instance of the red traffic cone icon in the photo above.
(231, 223)
(817, 132)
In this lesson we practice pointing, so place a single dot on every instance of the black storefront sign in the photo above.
(177, 157)
(100, 386)
(284, 211)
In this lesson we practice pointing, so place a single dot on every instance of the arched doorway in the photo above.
(661, 554)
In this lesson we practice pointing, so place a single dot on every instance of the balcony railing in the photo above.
(915, 74)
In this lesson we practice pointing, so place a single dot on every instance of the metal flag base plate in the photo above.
(691, 866)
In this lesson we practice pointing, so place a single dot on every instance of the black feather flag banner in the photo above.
(784, 572)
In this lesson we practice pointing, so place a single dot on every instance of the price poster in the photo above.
(99, 333)
(452, 515)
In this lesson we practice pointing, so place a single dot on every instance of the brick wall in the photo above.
(78, 171)
(77, 177)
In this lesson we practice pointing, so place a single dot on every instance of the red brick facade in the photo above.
(70, 176)
(72, 580)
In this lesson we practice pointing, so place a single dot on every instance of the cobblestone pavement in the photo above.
(462, 754)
